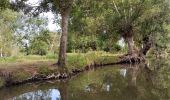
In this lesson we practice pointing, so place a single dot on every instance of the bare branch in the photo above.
(116, 8)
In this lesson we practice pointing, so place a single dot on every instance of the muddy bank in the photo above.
(21, 76)
(25, 75)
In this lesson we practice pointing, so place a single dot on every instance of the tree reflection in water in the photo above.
(51, 94)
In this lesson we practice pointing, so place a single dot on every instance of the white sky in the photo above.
(51, 25)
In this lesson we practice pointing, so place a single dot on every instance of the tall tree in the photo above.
(7, 23)
(137, 20)
(62, 7)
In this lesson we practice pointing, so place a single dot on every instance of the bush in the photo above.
(76, 61)
(116, 47)
(81, 60)
(39, 48)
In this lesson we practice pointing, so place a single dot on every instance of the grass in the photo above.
(74, 60)
(28, 58)
(80, 60)
(27, 61)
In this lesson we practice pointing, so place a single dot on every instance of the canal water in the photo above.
(119, 82)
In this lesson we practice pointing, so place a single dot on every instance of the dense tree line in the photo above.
(92, 25)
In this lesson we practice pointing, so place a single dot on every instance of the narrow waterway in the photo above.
(120, 82)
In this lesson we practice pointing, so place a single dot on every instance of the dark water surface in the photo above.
(120, 82)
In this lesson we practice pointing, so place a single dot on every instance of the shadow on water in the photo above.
(121, 82)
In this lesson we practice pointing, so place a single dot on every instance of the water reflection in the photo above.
(123, 82)
(51, 94)
(123, 72)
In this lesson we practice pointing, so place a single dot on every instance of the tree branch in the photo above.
(116, 8)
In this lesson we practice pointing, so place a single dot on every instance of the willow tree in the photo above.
(137, 20)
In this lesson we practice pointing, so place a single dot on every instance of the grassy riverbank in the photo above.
(18, 69)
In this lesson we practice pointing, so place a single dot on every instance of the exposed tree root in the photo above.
(131, 59)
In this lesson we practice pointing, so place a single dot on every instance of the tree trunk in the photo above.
(64, 93)
(63, 41)
(133, 56)
(130, 42)
(146, 45)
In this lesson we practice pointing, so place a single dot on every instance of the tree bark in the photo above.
(130, 42)
(133, 56)
(146, 45)
(63, 41)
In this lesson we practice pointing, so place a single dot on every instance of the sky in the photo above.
(52, 26)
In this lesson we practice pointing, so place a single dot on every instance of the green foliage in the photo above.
(7, 23)
(81, 60)
(4, 4)
(43, 43)
(94, 25)
(116, 47)
(82, 43)
(28, 28)
(76, 61)
(39, 48)
(111, 19)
